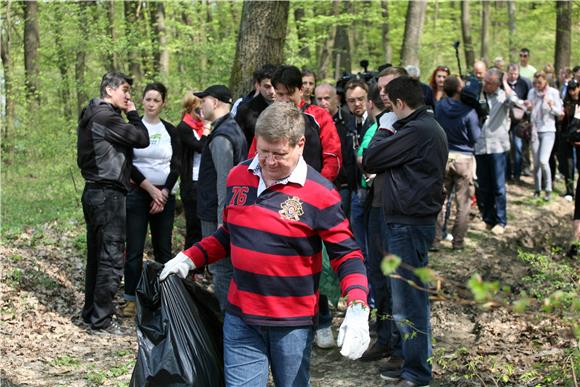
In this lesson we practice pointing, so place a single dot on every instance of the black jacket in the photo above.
(174, 165)
(247, 116)
(207, 195)
(413, 162)
(190, 145)
(105, 144)
(347, 176)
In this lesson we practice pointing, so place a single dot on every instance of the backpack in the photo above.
(472, 96)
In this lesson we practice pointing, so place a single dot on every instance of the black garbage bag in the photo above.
(179, 330)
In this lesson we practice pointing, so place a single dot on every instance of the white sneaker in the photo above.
(323, 338)
(568, 198)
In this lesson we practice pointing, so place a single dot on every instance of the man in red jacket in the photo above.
(278, 214)
(322, 149)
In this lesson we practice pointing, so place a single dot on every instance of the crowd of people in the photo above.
(296, 172)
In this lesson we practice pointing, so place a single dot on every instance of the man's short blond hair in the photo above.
(280, 121)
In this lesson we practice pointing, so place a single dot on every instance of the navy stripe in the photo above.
(330, 217)
(286, 286)
(269, 321)
(204, 251)
(273, 244)
(272, 200)
(224, 238)
(351, 267)
(337, 250)
(366, 290)
(315, 176)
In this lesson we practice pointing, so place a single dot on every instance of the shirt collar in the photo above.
(298, 175)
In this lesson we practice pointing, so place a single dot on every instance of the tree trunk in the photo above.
(63, 65)
(261, 40)
(513, 50)
(485, 21)
(8, 89)
(413, 29)
(85, 11)
(325, 50)
(132, 20)
(113, 56)
(563, 34)
(466, 33)
(342, 61)
(301, 32)
(31, 62)
(387, 49)
(161, 32)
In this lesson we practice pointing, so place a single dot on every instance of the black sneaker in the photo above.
(114, 329)
(376, 352)
(391, 375)
(393, 364)
(404, 383)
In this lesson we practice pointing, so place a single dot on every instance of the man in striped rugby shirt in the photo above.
(278, 214)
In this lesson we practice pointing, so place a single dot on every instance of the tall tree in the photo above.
(466, 33)
(6, 56)
(513, 51)
(133, 19)
(563, 34)
(62, 62)
(113, 34)
(301, 31)
(413, 29)
(342, 59)
(261, 40)
(485, 22)
(387, 49)
(31, 62)
(85, 12)
(325, 51)
(161, 32)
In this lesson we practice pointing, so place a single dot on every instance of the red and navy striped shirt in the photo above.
(275, 242)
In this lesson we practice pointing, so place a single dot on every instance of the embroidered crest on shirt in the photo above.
(291, 209)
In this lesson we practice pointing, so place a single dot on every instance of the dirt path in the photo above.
(43, 343)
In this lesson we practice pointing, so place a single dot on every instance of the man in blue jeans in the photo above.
(413, 162)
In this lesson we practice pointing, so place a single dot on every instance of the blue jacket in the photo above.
(460, 123)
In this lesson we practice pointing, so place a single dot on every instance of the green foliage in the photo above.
(483, 290)
(66, 361)
(389, 264)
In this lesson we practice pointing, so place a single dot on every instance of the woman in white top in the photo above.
(151, 201)
(545, 106)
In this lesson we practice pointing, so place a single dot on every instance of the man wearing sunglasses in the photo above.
(526, 70)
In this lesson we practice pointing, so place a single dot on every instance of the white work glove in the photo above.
(180, 265)
(353, 335)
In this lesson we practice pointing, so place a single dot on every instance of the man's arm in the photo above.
(331, 149)
(222, 154)
(344, 255)
(388, 150)
(132, 134)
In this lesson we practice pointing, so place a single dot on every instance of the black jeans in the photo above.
(104, 211)
(161, 225)
(192, 222)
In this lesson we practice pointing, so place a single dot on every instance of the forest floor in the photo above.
(42, 342)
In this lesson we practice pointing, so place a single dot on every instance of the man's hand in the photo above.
(180, 265)
(353, 335)
(130, 107)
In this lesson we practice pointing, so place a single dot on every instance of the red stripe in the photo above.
(271, 306)
(265, 220)
(313, 193)
(274, 265)
(338, 233)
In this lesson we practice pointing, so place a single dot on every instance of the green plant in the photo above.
(66, 361)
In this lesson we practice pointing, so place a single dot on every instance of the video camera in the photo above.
(369, 77)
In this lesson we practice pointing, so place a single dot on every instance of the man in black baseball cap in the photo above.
(225, 147)
(217, 91)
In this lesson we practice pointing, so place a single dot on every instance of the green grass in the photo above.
(38, 170)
